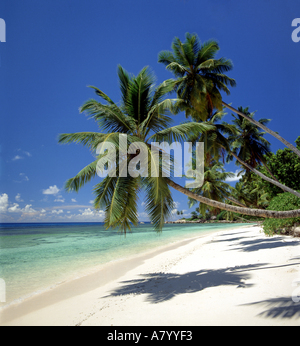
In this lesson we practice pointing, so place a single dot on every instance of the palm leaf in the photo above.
(159, 201)
(81, 178)
(182, 132)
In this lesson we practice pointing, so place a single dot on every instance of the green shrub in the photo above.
(282, 202)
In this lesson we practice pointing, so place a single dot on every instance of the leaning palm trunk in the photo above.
(274, 182)
(245, 211)
(265, 128)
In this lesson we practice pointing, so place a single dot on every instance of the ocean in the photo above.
(37, 256)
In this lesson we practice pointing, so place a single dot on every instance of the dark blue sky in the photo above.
(54, 49)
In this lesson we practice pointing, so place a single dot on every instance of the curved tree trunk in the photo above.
(265, 128)
(246, 211)
(274, 182)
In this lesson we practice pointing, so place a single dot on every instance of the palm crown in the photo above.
(200, 76)
(143, 116)
(249, 144)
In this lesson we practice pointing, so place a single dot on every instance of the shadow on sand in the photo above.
(258, 244)
(282, 307)
(161, 287)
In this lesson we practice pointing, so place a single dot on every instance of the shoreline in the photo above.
(99, 299)
(86, 282)
(50, 285)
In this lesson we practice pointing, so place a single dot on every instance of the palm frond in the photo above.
(81, 178)
(109, 117)
(186, 131)
(89, 139)
(159, 201)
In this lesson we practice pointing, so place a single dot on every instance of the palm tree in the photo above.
(214, 187)
(201, 78)
(240, 210)
(249, 144)
(143, 117)
(250, 190)
(249, 147)
(243, 136)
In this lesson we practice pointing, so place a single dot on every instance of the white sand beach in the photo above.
(232, 277)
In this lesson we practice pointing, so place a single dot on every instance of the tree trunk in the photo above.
(265, 128)
(246, 211)
(274, 182)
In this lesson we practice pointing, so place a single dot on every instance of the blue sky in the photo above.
(55, 49)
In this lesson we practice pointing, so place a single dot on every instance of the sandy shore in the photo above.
(231, 277)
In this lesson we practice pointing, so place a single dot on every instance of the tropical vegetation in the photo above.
(144, 115)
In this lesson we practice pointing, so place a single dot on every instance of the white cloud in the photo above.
(3, 202)
(73, 200)
(176, 205)
(27, 210)
(17, 157)
(18, 198)
(15, 208)
(59, 199)
(91, 201)
(60, 211)
(24, 176)
(235, 177)
(52, 190)
(87, 212)
(91, 214)
(43, 211)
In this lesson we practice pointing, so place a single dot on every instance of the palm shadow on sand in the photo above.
(160, 287)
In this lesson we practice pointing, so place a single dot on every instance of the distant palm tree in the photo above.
(214, 187)
(201, 79)
(143, 116)
(248, 143)
(248, 147)
(241, 140)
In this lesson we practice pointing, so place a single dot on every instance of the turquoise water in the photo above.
(34, 257)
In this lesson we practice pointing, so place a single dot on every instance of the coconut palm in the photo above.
(250, 190)
(201, 79)
(143, 117)
(243, 141)
(214, 187)
(248, 143)
(240, 210)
